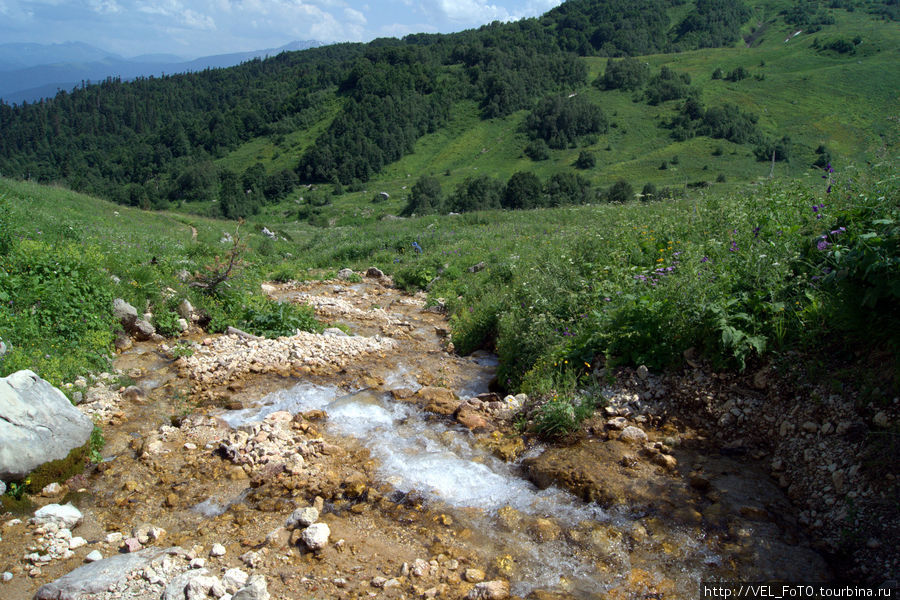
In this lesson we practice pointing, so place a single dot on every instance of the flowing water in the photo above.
(550, 538)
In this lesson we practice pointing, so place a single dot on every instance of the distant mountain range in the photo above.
(29, 72)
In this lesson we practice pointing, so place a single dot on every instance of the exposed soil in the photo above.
(670, 509)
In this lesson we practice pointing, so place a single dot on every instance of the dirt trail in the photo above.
(172, 462)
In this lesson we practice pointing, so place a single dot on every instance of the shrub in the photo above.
(523, 190)
(561, 121)
(425, 198)
(476, 193)
(667, 85)
(166, 322)
(274, 319)
(620, 191)
(586, 160)
(625, 74)
(738, 74)
(415, 277)
(537, 150)
(781, 149)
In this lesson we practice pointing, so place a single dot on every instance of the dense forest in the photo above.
(152, 142)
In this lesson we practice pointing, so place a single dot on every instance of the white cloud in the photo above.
(399, 30)
(183, 17)
(354, 16)
(472, 11)
(105, 7)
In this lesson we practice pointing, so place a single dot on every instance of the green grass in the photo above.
(64, 257)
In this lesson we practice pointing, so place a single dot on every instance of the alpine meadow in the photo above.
(646, 252)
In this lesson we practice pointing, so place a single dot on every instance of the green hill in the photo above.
(380, 115)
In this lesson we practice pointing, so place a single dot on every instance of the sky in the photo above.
(193, 28)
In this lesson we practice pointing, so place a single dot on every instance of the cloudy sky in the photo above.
(193, 28)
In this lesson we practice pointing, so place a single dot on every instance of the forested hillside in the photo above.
(341, 114)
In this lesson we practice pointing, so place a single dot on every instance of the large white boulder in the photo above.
(37, 424)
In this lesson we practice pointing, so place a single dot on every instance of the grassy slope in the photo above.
(847, 102)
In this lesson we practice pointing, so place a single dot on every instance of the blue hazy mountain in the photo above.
(29, 72)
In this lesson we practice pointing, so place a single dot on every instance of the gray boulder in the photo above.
(64, 515)
(345, 274)
(256, 589)
(185, 309)
(97, 577)
(125, 313)
(37, 424)
(143, 330)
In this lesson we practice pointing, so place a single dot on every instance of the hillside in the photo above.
(392, 110)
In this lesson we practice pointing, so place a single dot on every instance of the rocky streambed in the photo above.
(377, 463)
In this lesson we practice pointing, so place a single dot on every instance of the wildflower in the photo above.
(822, 244)
(734, 246)
(838, 231)
(705, 259)
(607, 299)
(417, 247)
(756, 231)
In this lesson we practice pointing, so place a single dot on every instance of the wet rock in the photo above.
(698, 482)
(474, 575)
(38, 424)
(123, 342)
(489, 590)
(99, 576)
(63, 515)
(438, 400)
(617, 423)
(315, 537)
(544, 530)
(666, 461)
(633, 435)
(473, 420)
(143, 330)
(279, 538)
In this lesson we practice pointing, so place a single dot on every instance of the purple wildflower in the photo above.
(734, 246)
(705, 259)
(822, 244)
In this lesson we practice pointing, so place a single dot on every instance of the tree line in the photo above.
(152, 141)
